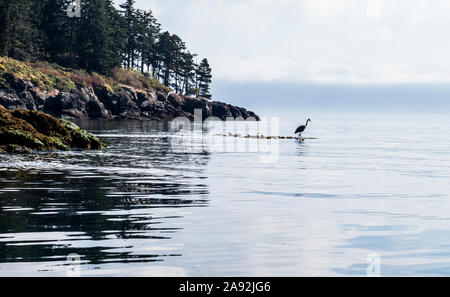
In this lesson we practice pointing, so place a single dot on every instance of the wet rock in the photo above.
(23, 131)
(16, 149)
(83, 139)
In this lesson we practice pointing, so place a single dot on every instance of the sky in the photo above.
(367, 44)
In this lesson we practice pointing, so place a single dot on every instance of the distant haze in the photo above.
(300, 99)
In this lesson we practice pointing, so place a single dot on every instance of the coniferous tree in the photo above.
(38, 35)
(204, 78)
(169, 47)
(58, 31)
(130, 23)
(97, 50)
(188, 73)
(101, 39)
(4, 27)
(147, 33)
(18, 30)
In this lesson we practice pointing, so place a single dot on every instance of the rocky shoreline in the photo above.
(24, 131)
(99, 102)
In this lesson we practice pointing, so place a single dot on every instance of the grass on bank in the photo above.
(48, 77)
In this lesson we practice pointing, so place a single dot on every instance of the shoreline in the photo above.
(64, 93)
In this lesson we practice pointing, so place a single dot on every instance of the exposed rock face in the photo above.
(24, 131)
(82, 104)
(101, 103)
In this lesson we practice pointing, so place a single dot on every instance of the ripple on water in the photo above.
(138, 208)
(108, 206)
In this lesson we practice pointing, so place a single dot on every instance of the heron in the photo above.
(302, 128)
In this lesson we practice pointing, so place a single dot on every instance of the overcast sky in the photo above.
(315, 41)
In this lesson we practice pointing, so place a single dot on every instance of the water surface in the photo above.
(139, 208)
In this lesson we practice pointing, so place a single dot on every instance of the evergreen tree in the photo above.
(58, 31)
(101, 39)
(188, 73)
(148, 31)
(169, 49)
(4, 27)
(17, 29)
(204, 78)
(97, 50)
(130, 22)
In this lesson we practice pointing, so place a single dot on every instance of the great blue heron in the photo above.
(302, 128)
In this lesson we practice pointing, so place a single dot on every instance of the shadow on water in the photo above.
(100, 205)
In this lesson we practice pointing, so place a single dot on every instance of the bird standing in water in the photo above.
(302, 128)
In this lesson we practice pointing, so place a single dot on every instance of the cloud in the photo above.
(327, 41)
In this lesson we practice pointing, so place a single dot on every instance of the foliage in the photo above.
(104, 38)
(137, 80)
(43, 75)
(49, 77)
(204, 78)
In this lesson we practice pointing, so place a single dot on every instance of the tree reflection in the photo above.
(87, 202)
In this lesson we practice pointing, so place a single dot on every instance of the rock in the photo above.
(24, 131)
(100, 102)
(83, 139)
(68, 125)
(222, 111)
(175, 100)
(81, 104)
(16, 149)
(66, 104)
(191, 104)
(96, 110)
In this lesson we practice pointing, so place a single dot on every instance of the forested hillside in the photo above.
(100, 38)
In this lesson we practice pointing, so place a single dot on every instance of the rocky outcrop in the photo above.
(103, 103)
(24, 131)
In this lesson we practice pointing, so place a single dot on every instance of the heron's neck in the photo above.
(307, 123)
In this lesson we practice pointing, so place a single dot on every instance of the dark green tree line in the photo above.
(102, 38)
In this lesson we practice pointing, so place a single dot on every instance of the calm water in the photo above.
(139, 208)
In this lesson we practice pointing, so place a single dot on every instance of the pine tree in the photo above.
(169, 48)
(130, 21)
(57, 30)
(17, 29)
(97, 49)
(4, 27)
(147, 33)
(101, 39)
(38, 35)
(188, 73)
(204, 78)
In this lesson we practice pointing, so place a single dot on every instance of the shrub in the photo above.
(43, 75)
(137, 80)
(127, 77)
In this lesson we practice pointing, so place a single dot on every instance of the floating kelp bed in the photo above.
(265, 137)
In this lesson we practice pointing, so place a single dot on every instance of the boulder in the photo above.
(24, 131)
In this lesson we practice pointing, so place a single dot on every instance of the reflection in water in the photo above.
(141, 209)
(100, 205)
